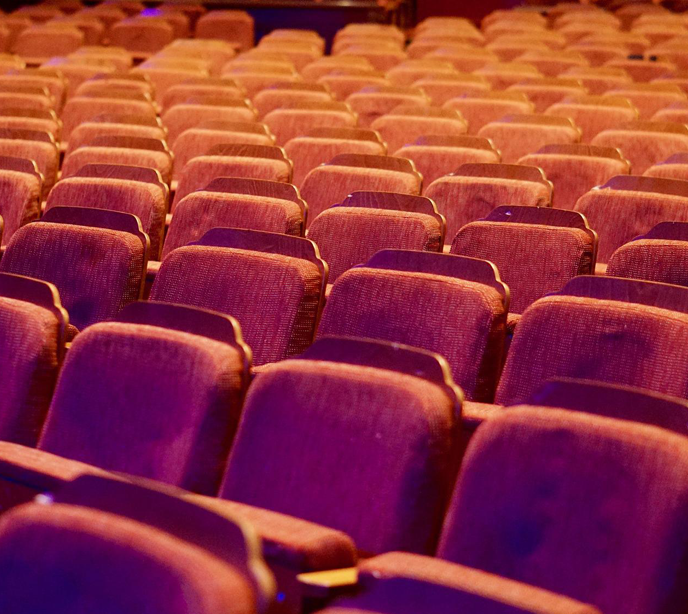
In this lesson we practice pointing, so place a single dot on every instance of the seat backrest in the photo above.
(95, 257)
(200, 86)
(473, 190)
(276, 324)
(234, 160)
(348, 234)
(32, 358)
(527, 469)
(614, 401)
(593, 166)
(20, 194)
(479, 109)
(287, 94)
(465, 296)
(652, 200)
(374, 101)
(113, 563)
(604, 328)
(518, 135)
(35, 145)
(411, 404)
(192, 399)
(296, 119)
(332, 182)
(536, 250)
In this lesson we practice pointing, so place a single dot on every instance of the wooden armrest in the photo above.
(327, 584)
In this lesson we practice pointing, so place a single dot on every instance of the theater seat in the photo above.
(273, 284)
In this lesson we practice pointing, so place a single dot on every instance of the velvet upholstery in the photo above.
(244, 284)
(86, 131)
(461, 320)
(44, 154)
(287, 123)
(19, 201)
(190, 114)
(82, 108)
(661, 260)
(398, 130)
(480, 111)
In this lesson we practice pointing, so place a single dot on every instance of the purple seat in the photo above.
(95, 257)
(589, 507)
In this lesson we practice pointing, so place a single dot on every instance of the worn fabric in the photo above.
(85, 132)
(610, 494)
(308, 152)
(515, 140)
(348, 236)
(532, 259)
(175, 425)
(81, 560)
(400, 130)
(651, 259)
(144, 200)
(198, 141)
(466, 199)
(275, 298)
(29, 337)
(287, 124)
(434, 162)
(461, 320)
(200, 211)
(97, 270)
(310, 456)
(585, 338)
(19, 201)
(45, 156)
(668, 171)
(328, 185)
(573, 176)
(619, 216)
(479, 112)
(88, 154)
(642, 148)
(201, 170)
(181, 117)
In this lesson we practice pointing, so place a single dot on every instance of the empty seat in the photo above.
(33, 325)
(96, 258)
(196, 391)
(83, 108)
(552, 63)
(674, 167)
(375, 101)
(113, 125)
(599, 79)
(628, 206)
(253, 77)
(27, 96)
(544, 92)
(366, 222)
(576, 169)
(32, 145)
(406, 123)
(190, 114)
(593, 114)
(501, 75)
(231, 26)
(465, 296)
(292, 120)
(200, 87)
(536, 249)
(407, 72)
(345, 81)
(381, 57)
(481, 109)
(508, 481)
(141, 36)
(441, 88)
(466, 59)
(518, 135)
(300, 53)
(273, 284)
(113, 562)
(122, 81)
(126, 150)
(645, 143)
(230, 202)
(247, 161)
(643, 71)
(473, 190)
(40, 120)
(332, 182)
(164, 76)
(38, 43)
(49, 78)
(320, 145)
(658, 255)
(411, 403)
(20, 194)
(326, 64)
(287, 94)
(435, 156)
(201, 138)
(650, 97)
(136, 190)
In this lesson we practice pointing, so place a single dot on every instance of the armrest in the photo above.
(474, 413)
(327, 584)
